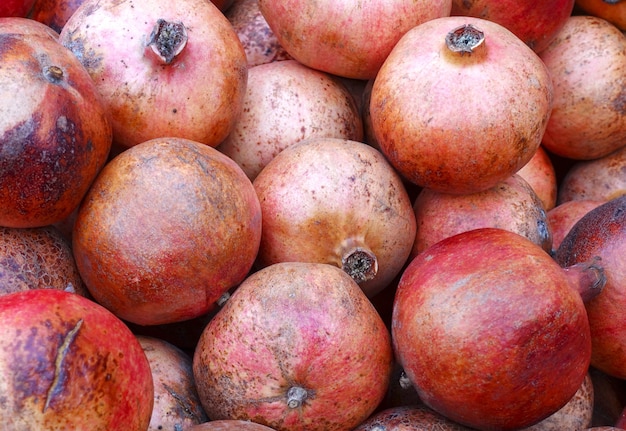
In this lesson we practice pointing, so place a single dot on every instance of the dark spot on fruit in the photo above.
(619, 103)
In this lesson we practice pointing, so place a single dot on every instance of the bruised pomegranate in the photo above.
(535, 23)
(68, 363)
(446, 107)
(55, 134)
(297, 346)
(168, 227)
(344, 38)
(287, 102)
(602, 233)
(336, 201)
(588, 119)
(162, 70)
(492, 332)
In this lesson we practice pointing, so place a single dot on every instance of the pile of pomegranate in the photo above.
(298, 215)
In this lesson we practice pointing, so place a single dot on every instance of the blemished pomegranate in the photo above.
(167, 228)
(54, 13)
(409, 417)
(161, 70)
(343, 38)
(297, 346)
(491, 331)
(588, 118)
(535, 23)
(55, 133)
(540, 173)
(336, 201)
(511, 204)
(564, 216)
(601, 233)
(287, 102)
(230, 425)
(68, 363)
(446, 107)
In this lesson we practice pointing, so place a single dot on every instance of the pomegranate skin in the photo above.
(490, 330)
(298, 346)
(55, 133)
(166, 229)
(535, 23)
(602, 233)
(151, 90)
(455, 121)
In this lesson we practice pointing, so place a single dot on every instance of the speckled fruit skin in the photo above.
(55, 134)
(602, 232)
(536, 24)
(37, 258)
(197, 96)
(68, 363)
(490, 330)
(295, 325)
(168, 227)
(343, 38)
(563, 217)
(324, 198)
(582, 87)
(409, 418)
(539, 172)
(54, 13)
(230, 425)
(176, 402)
(456, 122)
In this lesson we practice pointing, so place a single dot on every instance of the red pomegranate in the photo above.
(446, 107)
(166, 229)
(162, 70)
(298, 346)
(491, 331)
(342, 37)
(535, 23)
(55, 132)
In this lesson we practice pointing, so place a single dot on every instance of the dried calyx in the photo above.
(360, 264)
(167, 40)
(464, 39)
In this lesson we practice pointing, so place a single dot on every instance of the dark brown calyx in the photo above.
(464, 39)
(54, 74)
(167, 40)
(360, 264)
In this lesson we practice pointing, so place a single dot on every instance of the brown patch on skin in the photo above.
(619, 103)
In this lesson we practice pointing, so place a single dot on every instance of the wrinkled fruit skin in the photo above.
(167, 228)
(54, 132)
(68, 363)
(295, 325)
(490, 331)
(439, 116)
(602, 233)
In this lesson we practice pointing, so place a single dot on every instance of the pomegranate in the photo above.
(55, 134)
(287, 102)
(297, 346)
(259, 41)
(409, 417)
(588, 118)
(492, 332)
(599, 179)
(535, 23)
(16, 8)
(336, 201)
(602, 233)
(613, 11)
(37, 258)
(162, 70)
(166, 229)
(230, 425)
(511, 204)
(446, 108)
(344, 38)
(68, 363)
(539, 172)
(563, 217)
(176, 402)
(54, 13)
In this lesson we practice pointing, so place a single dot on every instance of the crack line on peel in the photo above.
(58, 363)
